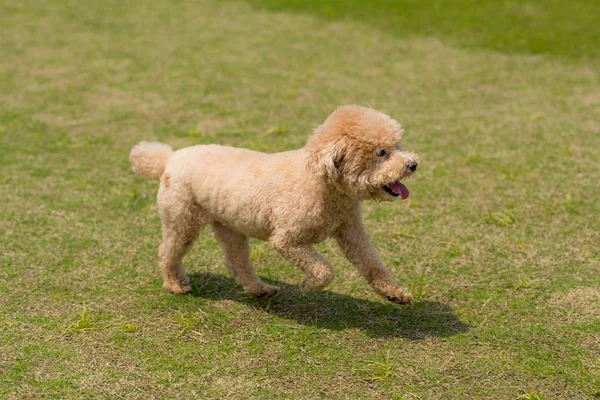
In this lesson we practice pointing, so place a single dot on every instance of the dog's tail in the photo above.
(149, 159)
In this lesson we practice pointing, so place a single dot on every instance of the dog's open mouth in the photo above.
(396, 189)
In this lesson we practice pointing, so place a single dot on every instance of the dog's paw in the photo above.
(393, 293)
(262, 290)
(401, 298)
(310, 285)
(178, 286)
(317, 282)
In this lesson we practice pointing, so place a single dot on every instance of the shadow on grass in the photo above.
(335, 311)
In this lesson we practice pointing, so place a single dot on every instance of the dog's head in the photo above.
(357, 149)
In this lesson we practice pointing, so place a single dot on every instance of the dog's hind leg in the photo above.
(237, 257)
(181, 222)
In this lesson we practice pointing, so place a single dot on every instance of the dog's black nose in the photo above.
(412, 166)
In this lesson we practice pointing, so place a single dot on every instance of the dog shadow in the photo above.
(329, 310)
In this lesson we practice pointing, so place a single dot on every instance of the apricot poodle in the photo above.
(292, 199)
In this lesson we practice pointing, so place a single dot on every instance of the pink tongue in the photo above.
(399, 188)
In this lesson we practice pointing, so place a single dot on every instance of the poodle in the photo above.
(292, 199)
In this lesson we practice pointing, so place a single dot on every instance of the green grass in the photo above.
(498, 240)
(567, 29)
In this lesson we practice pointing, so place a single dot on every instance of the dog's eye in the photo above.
(381, 153)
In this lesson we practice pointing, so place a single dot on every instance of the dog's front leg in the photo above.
(317, 270)
(356, 244)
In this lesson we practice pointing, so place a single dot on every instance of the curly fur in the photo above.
(292, 199)
(149, 159)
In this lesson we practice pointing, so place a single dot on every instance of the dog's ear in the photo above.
(324, 157)
(331, 160)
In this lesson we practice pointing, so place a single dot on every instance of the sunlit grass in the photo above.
(498, 241)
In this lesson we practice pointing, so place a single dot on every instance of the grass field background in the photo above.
(499, 240)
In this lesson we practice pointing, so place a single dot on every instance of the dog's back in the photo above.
(241, 188)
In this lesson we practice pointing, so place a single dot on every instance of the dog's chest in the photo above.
(321, 224)
(321, 232)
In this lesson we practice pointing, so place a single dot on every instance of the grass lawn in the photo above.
(499, 240)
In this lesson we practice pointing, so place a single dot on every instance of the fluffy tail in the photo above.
(149, 159)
